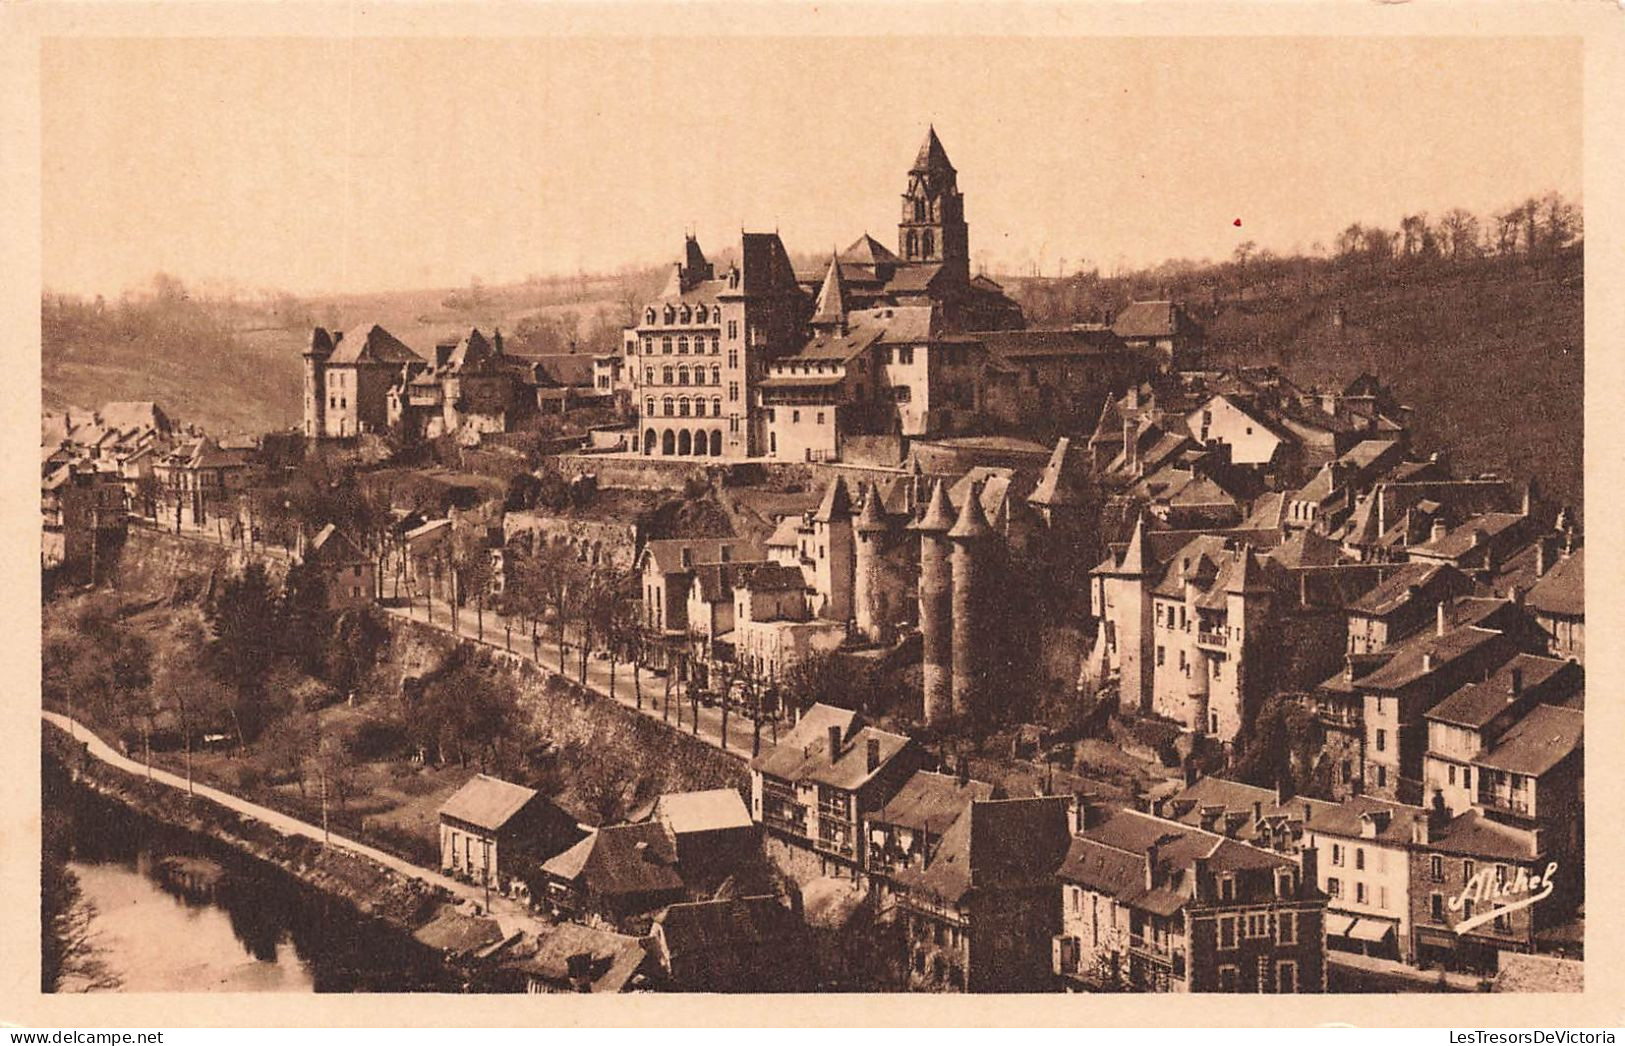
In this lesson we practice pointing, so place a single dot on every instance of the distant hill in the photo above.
(233, 366)
(1489, 351)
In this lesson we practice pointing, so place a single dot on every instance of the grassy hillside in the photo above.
(233, 365)
(1489, 351)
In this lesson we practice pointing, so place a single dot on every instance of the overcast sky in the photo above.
(338, 165)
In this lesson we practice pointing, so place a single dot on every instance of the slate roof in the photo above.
(1395, 821)
(667, 553)
(715, 941)
(1458, 542)
(1474, 835)
(1150, 319)
(1059, 485)
(458, 932)
(487, 802)
(1017, 346)
(787, 534)
(773, 577)
(932, 157)
(615, 959)
(1476, 704)
(867, 250)
(1537, 742)
(1562, 589)
(714, 582)
(1405, 667)
(1186, 806)
(621, 860)
(804, 755)
(717, 809)
(931, 800)
(370, 343)
(997, 844)
(334, 546)
(836, 503)
(1394, 591)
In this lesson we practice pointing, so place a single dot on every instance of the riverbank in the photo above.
(383, 894)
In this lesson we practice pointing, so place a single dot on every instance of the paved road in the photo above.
(510, 915)
(679, 716)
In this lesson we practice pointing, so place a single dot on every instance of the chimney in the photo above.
(1441, 616)
(1258, 811)
(1308, 813)
(1439, 530)
(834, 743)
(1201, 879)
(964, 771)
(1515, 595)
(1151, 866)
(1436, 808)
(873, 754)
(1193, 773)
(1283, 791)
(1542, 558)
(1515, 690)
(1427, 660)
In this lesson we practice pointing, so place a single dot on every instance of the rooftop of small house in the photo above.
(805, 755)
(996, 844)
(1561, 590)
(1462, 539)
(716, 809)
(621, 860)
(487, 802)
(1212, 801)
(1473, 835)
(1476, 704)
(1537, 742)
(931, 801)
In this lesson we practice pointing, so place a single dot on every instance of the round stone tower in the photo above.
(870, 531)
(936, 610)
(969, 536)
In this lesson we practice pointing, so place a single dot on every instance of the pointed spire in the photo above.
(1056, 486)
(932, 156)
(832, 301)
(837, 503)
(871, 520)
(972, 522)
(939, 515)
(1133, 564)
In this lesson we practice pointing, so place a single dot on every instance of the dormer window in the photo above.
(648, 315)
(688, 314)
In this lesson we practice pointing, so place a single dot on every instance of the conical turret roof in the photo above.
(972, 522)
(939, 515)
(1057, 486)
(932, 156)
(1133, 563)
(837, 503)
(832, 301)
(871, 519)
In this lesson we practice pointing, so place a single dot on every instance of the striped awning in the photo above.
(1373, 930)
(1338, 925)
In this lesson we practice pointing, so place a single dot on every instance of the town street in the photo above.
(510, 915)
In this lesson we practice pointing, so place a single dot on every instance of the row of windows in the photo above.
(701, 313)
(1285, 980)
(1283, 927)
(1362, 895)
(682, 345)
(682, 375)
(1436, 870)
(1340, 857)
(682, 407)
(1502, 923)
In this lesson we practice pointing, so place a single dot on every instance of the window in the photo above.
(1503, 924)
(1286, 928)
(716, 374)
(666, 374)
(1436, 907)
(1382, 740)
(1382, 777)
(1334, 887)
(1227, 888)
(1436, 868)
(648, 375)
(1260, 924)
(1337, 855)
(716, 406)
(1452, 773)
(1500, 869)
(905, 354)
(733, 391)
(665, 345)
(1227, 979)
(1161, 655)
(1359, 893)
(648, 344)
(716, 345)
(795, 416)
(820, 417)
(682, 375)
(682, 406)
(1466, 871)
(667, 406)
(1227, 931)
(682, 346)
(1286, 976)
(733, 357)
(1359, 858)
(733, 331)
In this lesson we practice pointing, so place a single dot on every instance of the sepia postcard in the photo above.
(928, 514)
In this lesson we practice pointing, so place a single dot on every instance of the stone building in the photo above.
(348, 377)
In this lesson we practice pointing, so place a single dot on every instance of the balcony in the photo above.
(1150, 949)
(1508, 804)
(839, 848)
(1212, 640)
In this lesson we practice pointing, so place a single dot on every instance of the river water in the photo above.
(239, 926)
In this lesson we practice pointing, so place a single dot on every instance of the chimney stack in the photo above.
(1258, 811)
(964, 771)
(1308, 813)
(1427, 660)
(1192, 773)
(1441, 616)
(1439, 530)
(1151, 866)
(873, 754)
(834, 743)
(1542, 558)
(1516, 689)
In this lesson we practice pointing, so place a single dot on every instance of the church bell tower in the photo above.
(933, 228)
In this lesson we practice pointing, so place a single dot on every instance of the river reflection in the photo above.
(231, 924)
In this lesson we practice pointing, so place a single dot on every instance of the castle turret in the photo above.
(969, 640)
(867, 593)
(316, 355)
(830, 315)
(832, 563)
(1130, 604)
(936, 610)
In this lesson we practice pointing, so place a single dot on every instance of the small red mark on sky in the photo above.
(1236, 223)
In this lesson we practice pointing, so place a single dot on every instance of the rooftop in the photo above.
(487, 802)
(1538, 741)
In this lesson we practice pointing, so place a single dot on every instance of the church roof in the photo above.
(932, 157)
(868, 251)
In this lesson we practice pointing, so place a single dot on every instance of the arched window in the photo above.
(682, 346)
(688, 314)
(648, 375)
(716, 344)
(648, 315)
(716, 374)
(685, 443)
(716, 406)
(665, 345)
(649, 405)
(913, 250)
(666, 406)
(716, 443)
(668, 443)
(682, 375)
(665, 375)
(700, 314)
(671, 313)
(919, 209)
(926, 245)
(649, 437)
(682, 406)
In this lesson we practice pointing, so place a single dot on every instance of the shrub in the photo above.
(378, 739)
